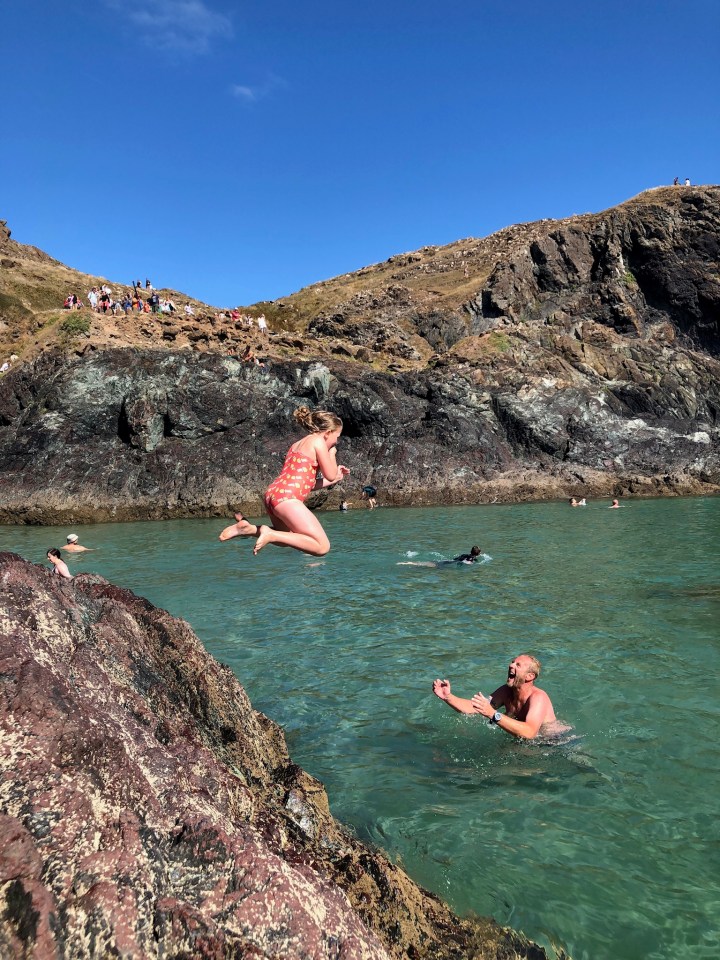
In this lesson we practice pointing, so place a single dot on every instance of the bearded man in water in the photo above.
(528, 710)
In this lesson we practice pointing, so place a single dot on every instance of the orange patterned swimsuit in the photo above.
(295, 482)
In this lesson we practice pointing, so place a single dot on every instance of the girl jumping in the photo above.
(310, 464)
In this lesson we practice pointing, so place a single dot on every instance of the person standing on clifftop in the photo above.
(310, 464)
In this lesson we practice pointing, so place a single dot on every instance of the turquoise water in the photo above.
(607, 845)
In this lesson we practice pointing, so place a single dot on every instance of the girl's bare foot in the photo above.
(263, 538)
(243, 528)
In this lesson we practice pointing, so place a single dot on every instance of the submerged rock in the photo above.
(149, 811)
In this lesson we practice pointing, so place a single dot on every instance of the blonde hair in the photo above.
(534, 663)
(317, 421)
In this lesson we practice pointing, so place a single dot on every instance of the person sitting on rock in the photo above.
(249, 356)
(60, 567)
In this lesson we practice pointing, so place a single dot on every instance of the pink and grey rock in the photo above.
(147, 811)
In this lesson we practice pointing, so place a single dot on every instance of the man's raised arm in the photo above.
(441, 689)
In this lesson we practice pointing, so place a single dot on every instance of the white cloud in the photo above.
(187, 25)
(243, 93)
(250, 94)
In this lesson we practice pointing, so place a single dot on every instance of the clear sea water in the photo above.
(607, 845)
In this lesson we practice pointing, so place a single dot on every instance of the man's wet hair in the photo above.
(475, 551)
(534, 663)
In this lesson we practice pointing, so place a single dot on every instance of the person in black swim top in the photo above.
(471, 557)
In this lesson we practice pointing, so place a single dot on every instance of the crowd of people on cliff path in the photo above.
(104, 300)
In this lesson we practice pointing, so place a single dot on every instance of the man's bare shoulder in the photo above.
(540, 696)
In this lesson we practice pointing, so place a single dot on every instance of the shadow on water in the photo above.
(703, 591)
(557, 765)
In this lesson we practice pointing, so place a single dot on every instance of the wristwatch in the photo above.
(496, 717)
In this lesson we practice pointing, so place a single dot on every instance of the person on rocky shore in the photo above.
(369, 493)
(59, 565)
(528, 710)
(310, 464)
(72, 545)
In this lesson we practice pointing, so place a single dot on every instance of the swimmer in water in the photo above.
(615, 505)
(310, 464)
(528, 710)
(72, 545)
(59, 565)
(473, 557)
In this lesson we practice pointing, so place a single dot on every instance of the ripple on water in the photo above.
(603, 844)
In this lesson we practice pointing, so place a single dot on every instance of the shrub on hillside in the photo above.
(75, 325)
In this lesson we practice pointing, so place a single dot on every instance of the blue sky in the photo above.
(238, 151)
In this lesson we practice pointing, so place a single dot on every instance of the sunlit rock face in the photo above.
(146, 810)
(550, 359)
(133, 435)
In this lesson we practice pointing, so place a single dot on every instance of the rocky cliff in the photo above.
(147, 434)
(146, 810)
(550, 359)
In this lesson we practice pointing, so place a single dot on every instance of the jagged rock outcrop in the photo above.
(649, 263)
(550, 359)
(146, 810)
(148, 434)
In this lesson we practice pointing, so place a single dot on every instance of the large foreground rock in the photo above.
(146, 810)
